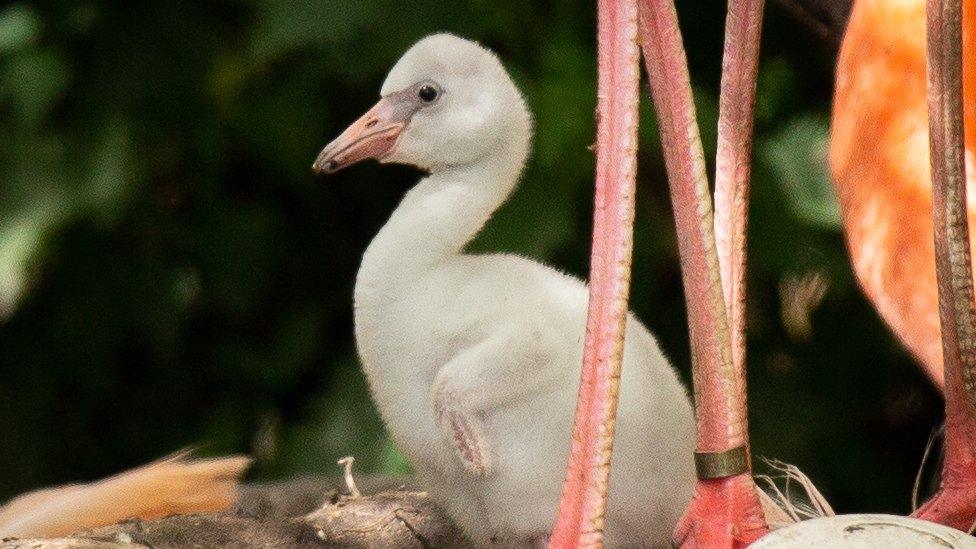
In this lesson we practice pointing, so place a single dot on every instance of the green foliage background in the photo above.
(171, 273)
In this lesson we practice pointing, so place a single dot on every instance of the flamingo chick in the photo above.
(474, 360)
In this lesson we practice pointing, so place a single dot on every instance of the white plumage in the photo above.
(474, 360)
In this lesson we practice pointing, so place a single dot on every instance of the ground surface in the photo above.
(308, 512)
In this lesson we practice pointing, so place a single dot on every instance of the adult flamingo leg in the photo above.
(725, 510)
(579, 521)
(955, 502)
(740, 66)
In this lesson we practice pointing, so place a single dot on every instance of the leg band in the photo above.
(727, 463)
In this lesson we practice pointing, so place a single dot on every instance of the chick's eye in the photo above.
(427, 93)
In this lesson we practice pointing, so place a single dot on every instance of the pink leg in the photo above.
(725, 510)
(955, 503)
(579, 522)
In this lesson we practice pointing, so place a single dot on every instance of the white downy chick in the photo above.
(474, 360)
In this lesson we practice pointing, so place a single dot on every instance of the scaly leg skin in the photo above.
(580, 515)
(465, 431)
(720, 516)
(725, 510)
(955, 503)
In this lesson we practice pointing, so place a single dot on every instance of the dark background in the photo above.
(172, 274)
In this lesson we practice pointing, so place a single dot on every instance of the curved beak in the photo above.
(374, 135)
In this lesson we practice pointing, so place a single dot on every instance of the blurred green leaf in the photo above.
(340, 423)
(33, 81)
(797, 155)
(20, 239)
(19, 26)
(286, 26)
(776, 89)
(112, 174)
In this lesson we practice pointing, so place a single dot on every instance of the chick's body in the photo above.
(474, 360)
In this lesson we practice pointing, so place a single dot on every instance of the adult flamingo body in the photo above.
(881, 166)
(879, 161)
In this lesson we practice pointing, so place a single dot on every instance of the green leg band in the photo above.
(727, 463)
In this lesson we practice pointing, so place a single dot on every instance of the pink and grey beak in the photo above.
(374, 135)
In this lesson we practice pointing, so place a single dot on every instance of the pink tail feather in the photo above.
(170, 486)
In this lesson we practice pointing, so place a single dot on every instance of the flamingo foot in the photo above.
(724, 513)
(954, 504)
(951, 506)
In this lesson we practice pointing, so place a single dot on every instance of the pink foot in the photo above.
(955, 503)
(951, 506)
(724, 513)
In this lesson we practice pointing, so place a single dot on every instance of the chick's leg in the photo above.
(506, 366)
(464, 429)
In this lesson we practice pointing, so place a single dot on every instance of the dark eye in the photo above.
(427, 93)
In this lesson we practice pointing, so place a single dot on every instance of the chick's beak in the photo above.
(374, 135)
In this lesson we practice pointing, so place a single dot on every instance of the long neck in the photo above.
(436, 219)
